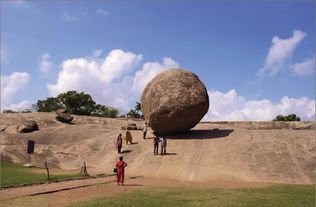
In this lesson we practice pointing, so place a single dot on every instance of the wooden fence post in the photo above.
(85, 168)
(47, 170)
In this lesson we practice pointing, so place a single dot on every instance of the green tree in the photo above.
(75, 103)
(290, 117)
(8, 111)
(136, 112)
(104, 111)
(48, 105)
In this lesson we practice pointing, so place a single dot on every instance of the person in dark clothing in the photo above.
(156, 145)
(119, 143)
(164, 146)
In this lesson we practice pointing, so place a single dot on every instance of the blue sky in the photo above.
(256, 59)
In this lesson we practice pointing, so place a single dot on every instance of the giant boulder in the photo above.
(174, 101)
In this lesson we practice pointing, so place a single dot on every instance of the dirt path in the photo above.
(51, 187)
(80, 191)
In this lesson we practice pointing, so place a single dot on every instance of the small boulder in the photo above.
(27, 126)
(131, 126)
(3, 127)
(62, 116)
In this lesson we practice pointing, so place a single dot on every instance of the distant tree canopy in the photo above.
(19, 111)
(75, 103)
(290, 117)
(136, 112)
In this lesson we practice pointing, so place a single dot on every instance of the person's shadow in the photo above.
(126, 151)
(132, 185)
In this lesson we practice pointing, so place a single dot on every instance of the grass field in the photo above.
(273, 196)
(12, 174)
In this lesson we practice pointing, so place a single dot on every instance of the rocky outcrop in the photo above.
(27, 126)
(63, 116)
(132, 126)
(174, 101)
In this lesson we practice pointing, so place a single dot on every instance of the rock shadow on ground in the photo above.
(201, 134)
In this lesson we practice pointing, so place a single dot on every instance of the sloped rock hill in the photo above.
(281, 152)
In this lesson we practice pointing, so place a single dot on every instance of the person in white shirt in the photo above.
(145, 130)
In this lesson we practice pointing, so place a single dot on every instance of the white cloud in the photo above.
(106, 80)
(111, 80)
(73, 15)
(306, 67)
(102, 12)
(280, 53)
(45, 64)
(10, 85)
(26, 104)
(150, 70)
(232, 107)
(118, 63)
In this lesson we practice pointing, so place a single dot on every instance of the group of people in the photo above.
(119, 141)
(120, 165)
(163, 145)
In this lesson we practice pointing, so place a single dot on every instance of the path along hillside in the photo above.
(280, 152)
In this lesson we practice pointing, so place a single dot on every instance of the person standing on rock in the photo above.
(156, 145)
(120, 165)
(119, 143)
(145, 130)
(164, 146)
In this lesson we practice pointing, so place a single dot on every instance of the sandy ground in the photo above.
(59, 194)
(277, 152)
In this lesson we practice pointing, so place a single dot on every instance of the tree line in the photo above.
(78, 104)
(83, 104)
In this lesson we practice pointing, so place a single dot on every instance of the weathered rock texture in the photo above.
(27, 126)
(174, 101)
(132, 126)
(63, 116)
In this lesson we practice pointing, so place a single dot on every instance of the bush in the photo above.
(290, 117)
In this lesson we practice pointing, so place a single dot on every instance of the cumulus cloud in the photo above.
(306, 67)
(10, 85)
(102, 12)
(150, 70)
(26, 104)
(280, 53)
(103, 78)
(112, 80)
(45, 64)
(232, 107)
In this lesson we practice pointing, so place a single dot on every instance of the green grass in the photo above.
(14, 174)
(273, 196)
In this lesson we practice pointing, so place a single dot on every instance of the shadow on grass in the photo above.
(132, 185)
